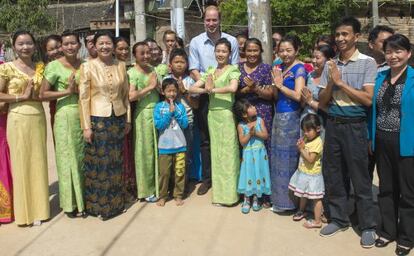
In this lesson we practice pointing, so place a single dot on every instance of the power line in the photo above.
(242, 26)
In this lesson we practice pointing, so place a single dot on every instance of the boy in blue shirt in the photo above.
(170, 118)
(179, 71)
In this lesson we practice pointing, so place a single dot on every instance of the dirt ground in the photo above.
(196, 228)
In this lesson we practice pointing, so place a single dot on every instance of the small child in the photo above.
(254, 179)
(307, 181)
(179, 71)
(170, 118)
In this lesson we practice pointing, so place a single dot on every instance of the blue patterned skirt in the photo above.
(284, 157)
(104, 167)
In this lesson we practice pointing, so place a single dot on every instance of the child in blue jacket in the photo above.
(170, 119)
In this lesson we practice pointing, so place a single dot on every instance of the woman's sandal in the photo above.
(381, 242)
(151, 199)
(266, 204)
(311, 224)
(402, 250)
(71, 215)
(299, 215)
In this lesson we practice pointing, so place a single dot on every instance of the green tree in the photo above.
(25, 14)
(316, 17)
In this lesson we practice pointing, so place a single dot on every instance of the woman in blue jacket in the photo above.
(392, 133)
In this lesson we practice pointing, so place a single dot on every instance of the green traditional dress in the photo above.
(225, 160)
(161, 71)
(145, 137)
(69, 143)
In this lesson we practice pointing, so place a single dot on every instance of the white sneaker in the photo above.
(151, 199)
(276, 210)
(37, 223)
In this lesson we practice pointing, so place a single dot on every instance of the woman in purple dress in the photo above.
(255, 83)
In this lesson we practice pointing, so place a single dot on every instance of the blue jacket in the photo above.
(407, 112)
(170, 126)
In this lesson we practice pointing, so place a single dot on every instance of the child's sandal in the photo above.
(256, 206)
(299, 215)
(324, 219)
(311, 224)
(245, 207)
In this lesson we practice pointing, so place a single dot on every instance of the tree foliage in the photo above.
(318, 16)
(25, 14)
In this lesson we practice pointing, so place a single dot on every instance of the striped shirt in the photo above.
(358, 72)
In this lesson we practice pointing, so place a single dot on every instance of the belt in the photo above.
(346, 120)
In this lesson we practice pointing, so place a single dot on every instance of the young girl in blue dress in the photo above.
(254, 179)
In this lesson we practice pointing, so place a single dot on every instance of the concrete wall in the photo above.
(192, 29)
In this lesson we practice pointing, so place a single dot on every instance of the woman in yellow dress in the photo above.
(20, 82)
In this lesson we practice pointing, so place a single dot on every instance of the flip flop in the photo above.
(299, 215)
(311, 224)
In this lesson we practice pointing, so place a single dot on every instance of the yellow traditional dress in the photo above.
(26, 135)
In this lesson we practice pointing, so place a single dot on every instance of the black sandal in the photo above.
(299, 215)
(402, 251)
(83, 215)
(71, 215)
(382, 242)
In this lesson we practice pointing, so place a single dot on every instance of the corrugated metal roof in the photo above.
(166, 4)
(77, 16)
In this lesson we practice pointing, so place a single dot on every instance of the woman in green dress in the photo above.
(221, 84)
(143, 83)
(60, 81)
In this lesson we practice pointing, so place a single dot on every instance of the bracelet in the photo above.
(17, 98)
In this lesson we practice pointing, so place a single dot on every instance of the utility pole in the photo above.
(260, 25)
(177, 18)
(375, 16)
(117, 18)
(346, 7)
(172, 14)
(140, 24)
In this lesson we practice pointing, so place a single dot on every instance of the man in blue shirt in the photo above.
(201, 58)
